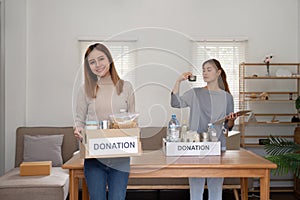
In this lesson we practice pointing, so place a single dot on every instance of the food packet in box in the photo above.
(124, 120)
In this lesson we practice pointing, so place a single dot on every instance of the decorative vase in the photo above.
(268, 68)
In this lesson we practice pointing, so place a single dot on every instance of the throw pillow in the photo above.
(43, 148)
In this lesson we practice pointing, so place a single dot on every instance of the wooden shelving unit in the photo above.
(271, 111)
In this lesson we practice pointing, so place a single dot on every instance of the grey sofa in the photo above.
(52, 187)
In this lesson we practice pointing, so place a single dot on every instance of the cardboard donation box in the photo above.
(41, 168)
(109, 143)
(191, 148)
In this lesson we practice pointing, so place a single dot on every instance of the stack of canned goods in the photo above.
(105, 124)
(93, 125)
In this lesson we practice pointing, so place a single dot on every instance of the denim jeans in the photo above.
(99, 176)
(214, 188)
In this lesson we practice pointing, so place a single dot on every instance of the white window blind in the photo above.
(123, 56)
(229, 53)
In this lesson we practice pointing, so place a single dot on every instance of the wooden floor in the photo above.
(184, 195)
(275, 196)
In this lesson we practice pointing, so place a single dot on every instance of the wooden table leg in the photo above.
(244, 188)
(73, 187)
(85, 193)
(265, 186)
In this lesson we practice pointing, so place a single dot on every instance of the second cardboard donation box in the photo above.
(110, 143)
(191, 148)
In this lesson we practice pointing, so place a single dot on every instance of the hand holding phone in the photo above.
(242, 112)
(236, 114)
(192, 78)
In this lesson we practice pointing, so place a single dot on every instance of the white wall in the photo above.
(2, 93)
(15, 73)
(42, 56)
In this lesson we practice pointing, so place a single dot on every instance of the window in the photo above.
(123, 56)
(229, 53)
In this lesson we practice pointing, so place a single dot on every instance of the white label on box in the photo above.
(192, 148)
(112, 146)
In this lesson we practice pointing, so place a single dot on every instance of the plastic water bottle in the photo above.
(212, 132)
(184, 129)
(173, 129)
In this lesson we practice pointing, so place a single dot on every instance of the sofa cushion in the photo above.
(52, 187)
(43, 148)
(69, 146)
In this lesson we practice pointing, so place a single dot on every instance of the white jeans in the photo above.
(214, 188)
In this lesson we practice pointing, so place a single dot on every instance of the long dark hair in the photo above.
(222, 80)
(90, 79)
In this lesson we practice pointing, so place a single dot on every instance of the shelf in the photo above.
(272, 77)
(272, 123)
(253, 145)
(255, 96)
(265, 101)
(264, 136)
(271, 64)
(295, 92)
(282, 92)
(274, 189)
(275, 114)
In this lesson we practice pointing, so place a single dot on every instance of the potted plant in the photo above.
(285, 154)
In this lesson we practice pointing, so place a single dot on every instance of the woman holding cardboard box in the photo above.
(102, 94)
(207, 105)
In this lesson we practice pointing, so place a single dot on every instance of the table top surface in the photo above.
(238, 159)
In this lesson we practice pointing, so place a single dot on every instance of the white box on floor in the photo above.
(191, 148)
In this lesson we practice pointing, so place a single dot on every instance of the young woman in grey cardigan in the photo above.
(207, 105)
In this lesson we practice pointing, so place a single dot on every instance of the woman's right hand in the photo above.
(77, 133)
(184, 76)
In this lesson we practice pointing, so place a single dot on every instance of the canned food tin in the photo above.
(91, 125)
(105, 124)
(204, 137)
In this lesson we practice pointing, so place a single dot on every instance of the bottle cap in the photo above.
(122, 110)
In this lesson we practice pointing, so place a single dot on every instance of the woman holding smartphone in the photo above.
(207, 105)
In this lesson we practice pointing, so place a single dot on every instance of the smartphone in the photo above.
(239, 113)
(242, 112)
(192, 78)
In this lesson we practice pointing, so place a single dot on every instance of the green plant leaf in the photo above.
(280, 146)
(286, 163)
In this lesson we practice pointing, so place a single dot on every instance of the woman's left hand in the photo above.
(231, 117)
